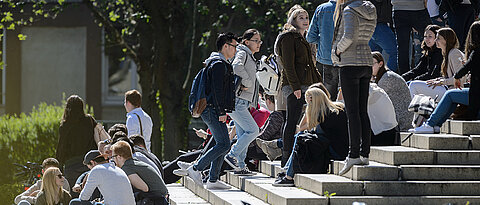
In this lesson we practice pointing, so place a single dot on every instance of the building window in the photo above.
(119, 75)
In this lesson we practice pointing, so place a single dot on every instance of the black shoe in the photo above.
(280, 176)
(284, 183)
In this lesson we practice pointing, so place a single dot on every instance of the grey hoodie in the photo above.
(245, 66)
(214, 55)
(353, 30)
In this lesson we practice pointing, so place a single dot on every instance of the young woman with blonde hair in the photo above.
(329, 120)
(52, 192)
(298, 73)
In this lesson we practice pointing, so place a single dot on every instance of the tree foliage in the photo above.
(168, 41)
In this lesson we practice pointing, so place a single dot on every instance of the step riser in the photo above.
(261, 187)
(395, 155)
(464, 127)
(368, 173)
(388, 188)
(222, 197)
(404, 200)
(436, 141)
(431, 174)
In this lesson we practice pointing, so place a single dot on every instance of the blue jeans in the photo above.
(289, 164)
(214, 156)
(77, 201)
(384, 39)
(247, 130)
(447, 106)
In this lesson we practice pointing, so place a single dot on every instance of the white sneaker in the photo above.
(216, 185)
(180, 172)
(184, 165)
(364, 160)
(195, 175)
(349, 162)
(424, 129)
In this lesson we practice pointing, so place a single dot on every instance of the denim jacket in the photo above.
(320, 31)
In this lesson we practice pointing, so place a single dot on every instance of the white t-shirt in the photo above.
(380, 110)
(432, 8)
(113, 184)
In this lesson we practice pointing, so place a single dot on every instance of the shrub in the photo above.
(26, 137)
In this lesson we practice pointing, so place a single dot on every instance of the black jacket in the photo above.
(384, 10)
(450, 6)
(220, 88)
(428, 67)
(472, 66)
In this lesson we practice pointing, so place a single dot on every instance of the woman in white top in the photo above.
(452, 62)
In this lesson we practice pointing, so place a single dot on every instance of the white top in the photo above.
(432, 8)
(380, 110)
(133, 126)
(113, 184)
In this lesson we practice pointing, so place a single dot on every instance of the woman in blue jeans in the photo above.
(245, 66)
(321, 114)
(466, 96)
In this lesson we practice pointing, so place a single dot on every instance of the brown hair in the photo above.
(122, 149)
(134, 97)
(434, 29)
(473, 38)
(50, 162)
(383, 69)
(451, 42)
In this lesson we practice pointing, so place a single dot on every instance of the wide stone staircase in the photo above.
(426, 169)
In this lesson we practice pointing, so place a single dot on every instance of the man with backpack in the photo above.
(216, 80)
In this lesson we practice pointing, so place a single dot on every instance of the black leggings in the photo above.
(294, 111)
(355, 85)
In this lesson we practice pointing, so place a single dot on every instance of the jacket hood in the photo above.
(365, 9)
(241, 47)
(215, 56)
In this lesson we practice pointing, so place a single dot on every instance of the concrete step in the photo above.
(461, 127)
(260, 186)
(269, 168)
(398, 155)
(436, 141)
(231, 196)
(440, 172)
(179, 195)
(319, 183)
(475, 141)
(402, 200)
(373, 172)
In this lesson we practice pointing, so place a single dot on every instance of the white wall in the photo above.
(53, 62)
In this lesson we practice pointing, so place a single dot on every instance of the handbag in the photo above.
(99, 133)
(422, 105)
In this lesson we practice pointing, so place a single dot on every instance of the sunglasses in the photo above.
(60, 176)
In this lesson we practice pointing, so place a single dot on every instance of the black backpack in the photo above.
(311, 154)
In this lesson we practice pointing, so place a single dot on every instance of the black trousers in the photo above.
(404, 21)
(294, 111)
(355, 86)
(331, 79)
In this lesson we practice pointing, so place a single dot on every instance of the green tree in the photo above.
(168, 40)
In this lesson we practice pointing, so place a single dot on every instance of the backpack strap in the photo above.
(139, 120)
